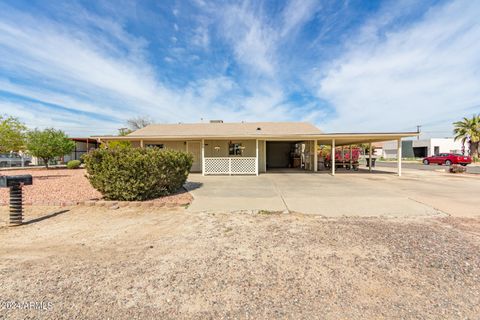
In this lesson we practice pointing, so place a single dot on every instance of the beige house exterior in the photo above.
(249, 148)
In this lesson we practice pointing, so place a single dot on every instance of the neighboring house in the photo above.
(82, 146)
(248, 147)
(423, 148)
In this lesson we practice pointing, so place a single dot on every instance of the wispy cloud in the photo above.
(297, 13)
(394, 79)
(252, 38)
(339, 65)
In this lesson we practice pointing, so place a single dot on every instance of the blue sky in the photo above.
(87, 66)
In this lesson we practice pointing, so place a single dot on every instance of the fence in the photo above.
(237, 165)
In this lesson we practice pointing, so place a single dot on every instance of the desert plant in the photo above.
(457, 169)
(73, 164)
(139, 174)
(48, 144)
(116, 144)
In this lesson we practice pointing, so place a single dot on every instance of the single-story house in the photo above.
(249, 147)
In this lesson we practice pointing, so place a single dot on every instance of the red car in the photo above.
(448, 159)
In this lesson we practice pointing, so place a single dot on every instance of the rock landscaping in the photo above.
(64, 187)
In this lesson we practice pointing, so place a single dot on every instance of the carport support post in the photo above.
(370, 157)
(333, 157)
(351, 159)
(141, 144)
(265, 156)
(256, 155)
(399, 157)
(203, 157)
(315, 156)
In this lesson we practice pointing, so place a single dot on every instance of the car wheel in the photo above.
(448, 163)
(426, 162)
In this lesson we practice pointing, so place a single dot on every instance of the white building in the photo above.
(423, 148)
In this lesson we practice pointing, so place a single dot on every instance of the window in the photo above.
(235, 149)
(160, 146)
(436, 150)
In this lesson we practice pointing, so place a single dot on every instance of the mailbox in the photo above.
(12, 181)
(15, 183)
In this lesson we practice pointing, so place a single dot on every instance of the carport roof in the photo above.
(292, 131)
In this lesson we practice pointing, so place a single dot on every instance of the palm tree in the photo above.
(468, 130)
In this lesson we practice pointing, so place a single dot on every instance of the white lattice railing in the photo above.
(239, 165)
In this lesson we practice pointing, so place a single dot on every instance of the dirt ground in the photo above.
(152, 263)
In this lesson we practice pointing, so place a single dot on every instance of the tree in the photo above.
(468, 130)
(139, 122)
(48, 144)
(124, 131)
(12, 134)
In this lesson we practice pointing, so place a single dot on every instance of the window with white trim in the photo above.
(235, 149)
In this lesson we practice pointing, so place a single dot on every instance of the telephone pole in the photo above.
(418, 131)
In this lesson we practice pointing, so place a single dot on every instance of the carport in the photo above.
(277, 150)
(349, 139)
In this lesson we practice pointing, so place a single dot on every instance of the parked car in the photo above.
(448, 159)
(13, 160)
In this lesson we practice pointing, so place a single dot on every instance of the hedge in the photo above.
(137, 174)
(73, 164)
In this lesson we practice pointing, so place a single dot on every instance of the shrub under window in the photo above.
(130, 174)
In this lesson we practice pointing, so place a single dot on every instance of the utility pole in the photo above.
(418, 131)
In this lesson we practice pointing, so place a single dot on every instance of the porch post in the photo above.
(141, 143)
(399, 157)
(315, 156)
(203, 157)
(370, 157)
(256, 155)
(265, 156)
(333, 157)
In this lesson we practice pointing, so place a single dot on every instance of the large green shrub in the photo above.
(127, 173)
(73, 164)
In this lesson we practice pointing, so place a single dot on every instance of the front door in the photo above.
(193, 147)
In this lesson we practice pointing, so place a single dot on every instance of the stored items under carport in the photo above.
(344, 159)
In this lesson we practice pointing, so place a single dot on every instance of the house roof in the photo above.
(242, 129)
(271, 131)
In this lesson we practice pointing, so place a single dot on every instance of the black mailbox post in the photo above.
(15, 183)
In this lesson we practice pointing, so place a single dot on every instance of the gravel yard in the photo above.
(53, 186)
(137, 263)
(66, 187)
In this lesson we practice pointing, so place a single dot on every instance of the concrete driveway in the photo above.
(351, 194)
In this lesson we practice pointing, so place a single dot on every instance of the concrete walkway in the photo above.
(351, 194)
